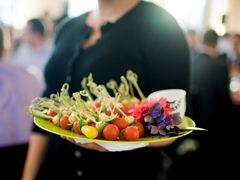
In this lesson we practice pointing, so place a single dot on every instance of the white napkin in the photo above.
(115, 146)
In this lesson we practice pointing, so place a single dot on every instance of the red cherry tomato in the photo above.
(111, 132)
(123, 104)
(125, 110)
(116, 111)
(140, 126)
(51, 113)
(131, 134)
(75, 128)
(120, 123)
(100, 134)
(64, 122)
(108, 112)
(97, 105)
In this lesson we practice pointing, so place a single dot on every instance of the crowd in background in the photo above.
(22, 62)
(214, 95)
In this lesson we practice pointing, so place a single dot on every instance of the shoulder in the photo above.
(205, 61)
(150, 8)
(73, 22)
(154, 15)
(204, 66)
(72, 26)
(155, 25)
(159, 34)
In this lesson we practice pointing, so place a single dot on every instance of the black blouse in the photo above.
(146, 40)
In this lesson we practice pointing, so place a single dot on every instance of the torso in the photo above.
(133, 42)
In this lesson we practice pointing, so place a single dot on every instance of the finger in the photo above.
(85, 145)
(92, 146)
(63, 137)
(71, 140)
(97, 147)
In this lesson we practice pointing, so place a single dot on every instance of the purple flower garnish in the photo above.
(176, 118)
(154, 130)
(157, 112)
(148, 119)
(157, 124)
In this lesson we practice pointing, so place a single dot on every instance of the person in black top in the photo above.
(118, 36)
(212, 155)
(210, 81)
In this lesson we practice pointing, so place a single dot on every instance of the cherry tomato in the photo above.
(131, 133)
(51, 113)
(123, 104)
(100, 134)
(89, 131)
(116, 111)
(140, 126)
(97, 105)
(68, 108)
(64, 122)
(125, 110)
(111, 132)
(75, 127)
(120, 123)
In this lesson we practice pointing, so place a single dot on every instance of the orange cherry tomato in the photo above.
(64, 122)
(131, 133)
(120, 123)
(75, 127)
(140, 126)
(51, 113)
(111, 132)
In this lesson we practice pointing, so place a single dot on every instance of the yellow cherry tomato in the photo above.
(89, 131)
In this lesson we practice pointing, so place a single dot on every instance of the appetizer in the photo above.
(94, 113)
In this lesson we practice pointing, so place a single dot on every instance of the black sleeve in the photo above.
(166, 54)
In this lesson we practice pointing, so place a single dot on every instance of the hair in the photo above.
(210, 38)
(191, 32)
(1, 43)
(37, 26)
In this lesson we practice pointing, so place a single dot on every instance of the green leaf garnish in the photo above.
(102, 126)
(60, 115)
(121, 136)
(81, 123)
(111, 119)
(134, 127)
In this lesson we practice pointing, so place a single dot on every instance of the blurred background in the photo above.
(200, 16)
(220, 15)
(195, 17)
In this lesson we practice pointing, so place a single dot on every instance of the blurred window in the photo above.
(6, 9)
(77, 7)
(188, 13)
